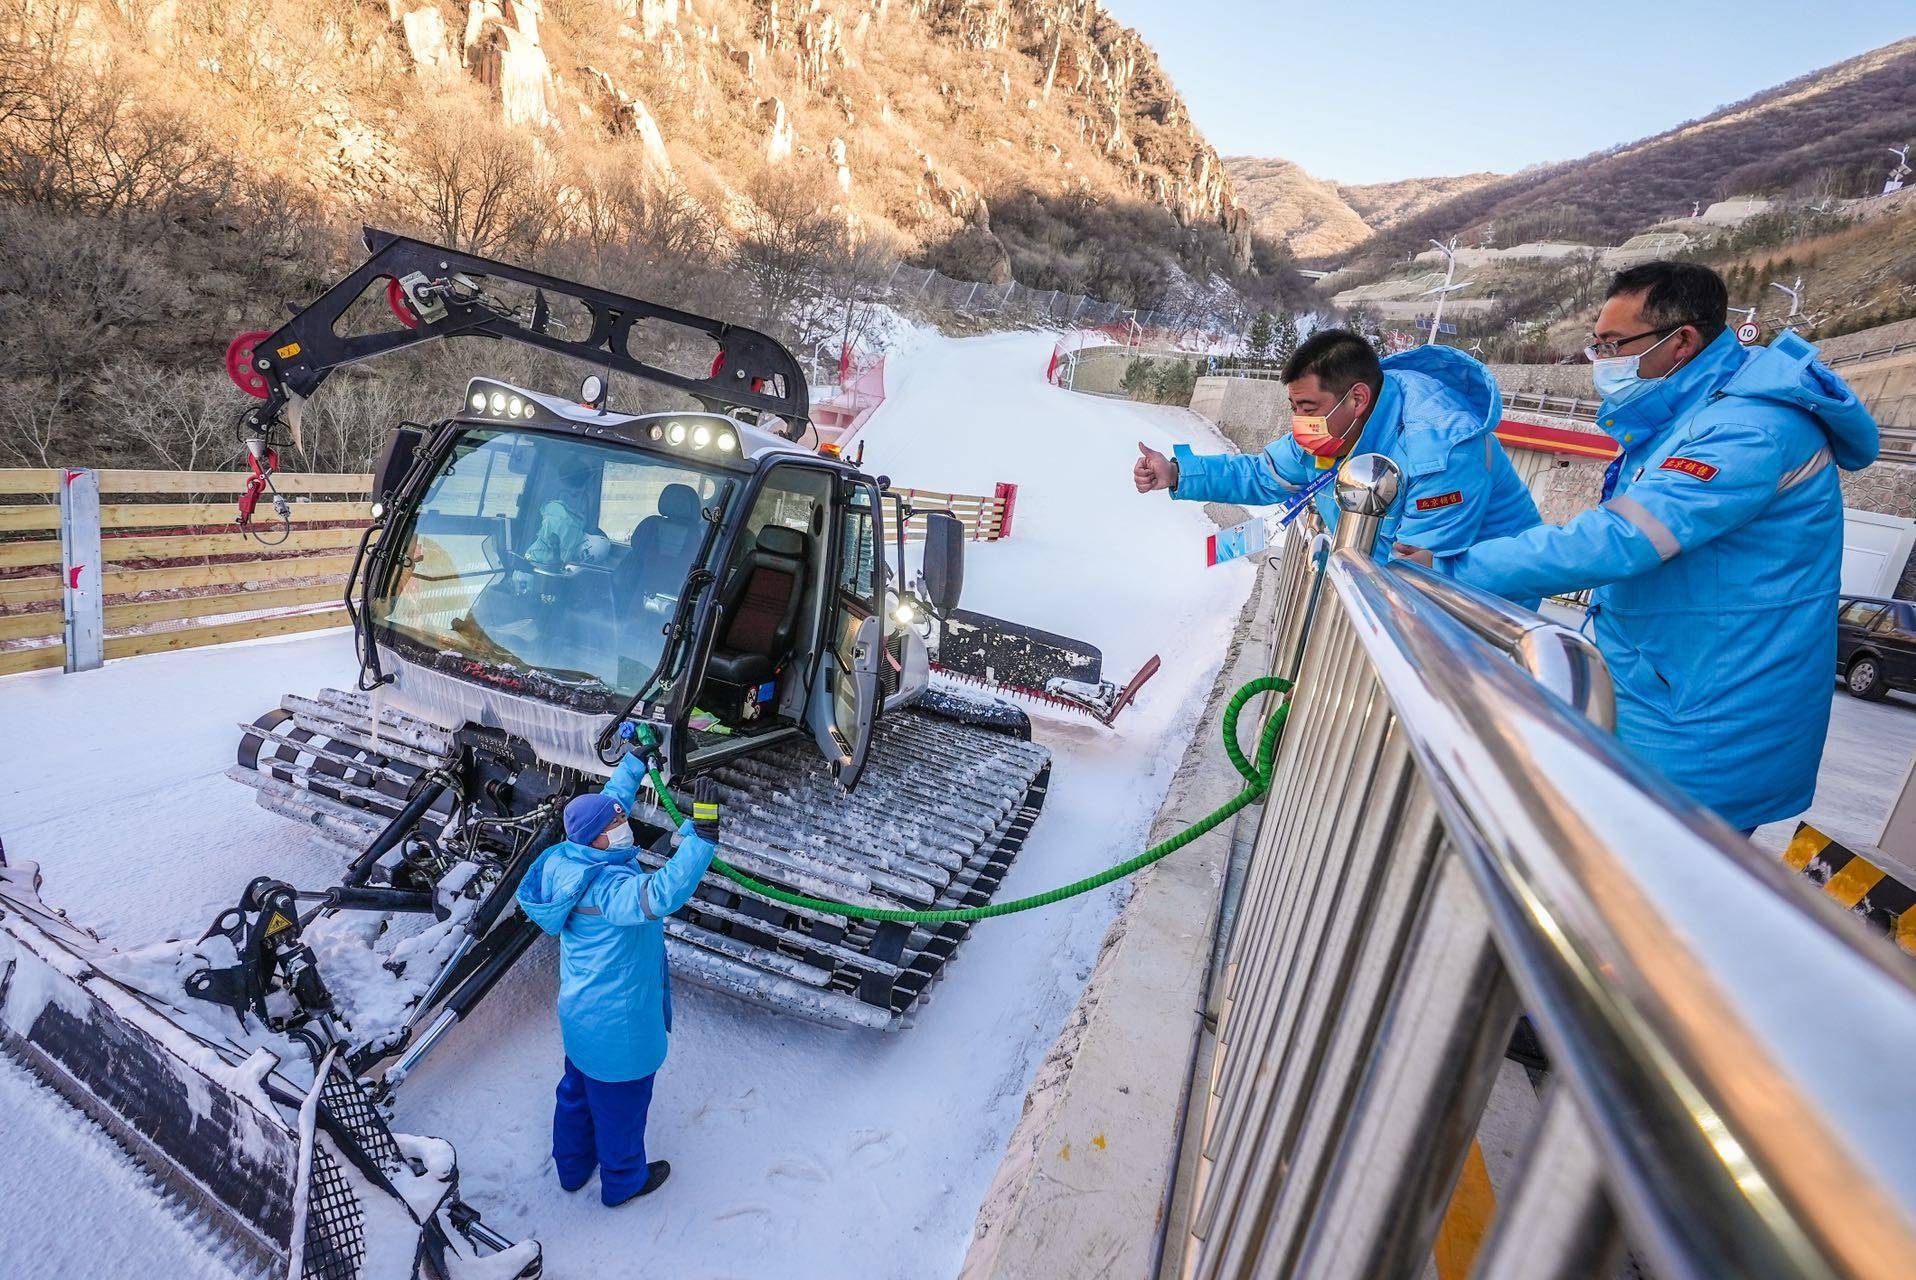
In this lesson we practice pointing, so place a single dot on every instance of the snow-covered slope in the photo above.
(797, 1151)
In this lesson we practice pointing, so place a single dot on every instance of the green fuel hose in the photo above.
(1257, 780)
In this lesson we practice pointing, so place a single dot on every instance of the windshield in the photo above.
(551, 554)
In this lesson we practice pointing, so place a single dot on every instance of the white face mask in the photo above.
(619, 835)
(1617, 379)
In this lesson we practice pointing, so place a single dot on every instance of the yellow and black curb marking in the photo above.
(1886, 905)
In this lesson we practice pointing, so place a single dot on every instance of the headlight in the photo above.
(529, 408)
(513, 405)
(904, 615)
(379, 509)
(479, 401)
(654, 431)
(676, 433)
(701, 436)
(728, 443)
(498, 402)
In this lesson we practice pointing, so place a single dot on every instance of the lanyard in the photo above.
(1295, 507)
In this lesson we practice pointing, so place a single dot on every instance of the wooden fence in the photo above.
(986, 519)
(174, 569)
(176, 573)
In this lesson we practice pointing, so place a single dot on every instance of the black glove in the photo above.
(705, 809)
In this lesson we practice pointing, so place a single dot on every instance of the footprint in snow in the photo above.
(727, 1109)
(870, 1148)
(799, 1170)
(746, 1215)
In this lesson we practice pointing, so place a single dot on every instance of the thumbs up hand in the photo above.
(1153, 470)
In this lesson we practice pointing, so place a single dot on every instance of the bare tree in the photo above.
(32, 418)
(793, 232)
(481, 186)
(184, 419)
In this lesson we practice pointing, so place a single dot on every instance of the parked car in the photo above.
(1875, 645)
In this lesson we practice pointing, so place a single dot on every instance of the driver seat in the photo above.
(761, 609)
(663, 547)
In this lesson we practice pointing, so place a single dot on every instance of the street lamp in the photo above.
(1796, 294)
(1446, 288)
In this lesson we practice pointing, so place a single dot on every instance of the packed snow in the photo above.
(797, 1150)
(73, 1204)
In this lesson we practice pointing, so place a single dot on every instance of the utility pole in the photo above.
(1450, 270)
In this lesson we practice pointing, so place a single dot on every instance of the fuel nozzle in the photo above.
(641, 738)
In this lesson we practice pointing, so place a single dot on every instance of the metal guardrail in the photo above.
(1875, 353)
(1561, 406)
(1452, 837)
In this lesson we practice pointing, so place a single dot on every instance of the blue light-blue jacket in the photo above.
(1435, 419)
(615, 997)
(1717, 557)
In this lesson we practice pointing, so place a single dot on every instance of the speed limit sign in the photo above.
(1746, 333)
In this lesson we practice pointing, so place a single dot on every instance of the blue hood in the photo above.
(1451, 399)
(1466, 379)
(559, 879)
(1788, 372)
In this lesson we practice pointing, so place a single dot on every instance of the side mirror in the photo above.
(396, 459)
(944, 561)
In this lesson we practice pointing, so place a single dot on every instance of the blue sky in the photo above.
(1371, 90)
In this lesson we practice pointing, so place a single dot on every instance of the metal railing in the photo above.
(1875, 353)
(1452, 836)
(1561, 406)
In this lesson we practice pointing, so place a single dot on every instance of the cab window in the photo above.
(858, 571)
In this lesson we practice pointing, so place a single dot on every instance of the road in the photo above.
(1865, 758)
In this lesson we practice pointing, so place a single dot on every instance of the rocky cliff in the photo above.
(918, 110)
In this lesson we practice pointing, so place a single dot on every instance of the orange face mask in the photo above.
(1313, 432)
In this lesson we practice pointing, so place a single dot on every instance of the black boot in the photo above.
(655, 1175)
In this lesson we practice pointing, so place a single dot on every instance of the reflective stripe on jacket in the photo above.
(1717, 559)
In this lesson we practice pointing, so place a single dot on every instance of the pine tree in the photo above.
(1284, 337)
(1259, 339)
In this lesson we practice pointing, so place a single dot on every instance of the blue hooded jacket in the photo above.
(1435, 419)
(1717, 556)
(615, 997)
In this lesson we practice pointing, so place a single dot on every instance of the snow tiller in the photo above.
(288, 1160)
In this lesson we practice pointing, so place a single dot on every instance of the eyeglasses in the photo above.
(1608, 350)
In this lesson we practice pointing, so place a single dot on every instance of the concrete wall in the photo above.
(1887, 386)
(1100, 370)
(1572, 380)
(1883, 335)
(1251, 412)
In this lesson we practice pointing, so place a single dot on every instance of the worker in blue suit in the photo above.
(1432, 410)
(615, 998)
(1717, 552)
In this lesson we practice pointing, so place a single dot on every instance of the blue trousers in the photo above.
(602, 1123)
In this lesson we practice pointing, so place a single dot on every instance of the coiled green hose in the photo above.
(1257, 779)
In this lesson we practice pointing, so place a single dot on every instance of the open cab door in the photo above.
(844, 699)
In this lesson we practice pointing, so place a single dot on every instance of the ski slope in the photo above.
(797, 1151)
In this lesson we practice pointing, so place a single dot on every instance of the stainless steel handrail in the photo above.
(1452, 835)
(1559, 658)
(1739, 1053)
